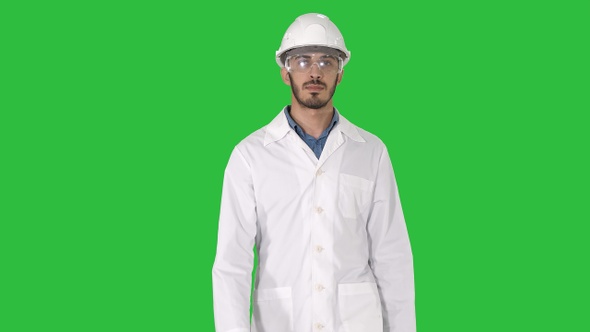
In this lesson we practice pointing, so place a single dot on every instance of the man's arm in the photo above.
(232, 270)
(391, 255)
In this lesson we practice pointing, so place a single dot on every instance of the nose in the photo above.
(315, 71)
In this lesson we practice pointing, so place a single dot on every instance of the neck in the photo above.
(312, 121)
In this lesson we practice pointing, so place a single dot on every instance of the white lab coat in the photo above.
(333, 249)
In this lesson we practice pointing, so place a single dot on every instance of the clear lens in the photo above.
(301, 63)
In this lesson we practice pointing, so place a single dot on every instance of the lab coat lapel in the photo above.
(302, 149)
(279, 129)
(334, 141)
(337, 138)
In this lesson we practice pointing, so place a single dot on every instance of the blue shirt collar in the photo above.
(279, 127)
(300, 131)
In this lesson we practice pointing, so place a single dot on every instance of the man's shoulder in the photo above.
(272, 131)
(369, 138)
(255, 139)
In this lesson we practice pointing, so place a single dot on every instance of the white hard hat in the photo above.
(312, 30)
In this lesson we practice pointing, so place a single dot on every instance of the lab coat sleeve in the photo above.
(390, 252)
(232, 270)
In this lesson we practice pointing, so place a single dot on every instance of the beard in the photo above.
(313, 102)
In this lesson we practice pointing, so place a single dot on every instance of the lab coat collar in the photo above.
(279, 127)
(348, 129)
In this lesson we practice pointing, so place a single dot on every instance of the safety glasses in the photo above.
(302, 63)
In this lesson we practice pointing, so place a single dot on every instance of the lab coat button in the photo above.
(319, 172)
(319, 326)
(319, 287)
(319, 209)
(319, 249)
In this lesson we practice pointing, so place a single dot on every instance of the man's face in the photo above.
(313, 78)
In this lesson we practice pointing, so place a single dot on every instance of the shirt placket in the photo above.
(323, 287)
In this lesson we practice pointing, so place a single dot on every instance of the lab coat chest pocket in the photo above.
(360, 307)
(273, 310)
(354, 194)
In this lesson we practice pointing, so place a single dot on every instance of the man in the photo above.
(317, 197)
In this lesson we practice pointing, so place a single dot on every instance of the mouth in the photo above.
(314, 87)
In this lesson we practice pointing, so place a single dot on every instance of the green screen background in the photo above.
(117, 119)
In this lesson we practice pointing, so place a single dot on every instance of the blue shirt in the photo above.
(316, 145)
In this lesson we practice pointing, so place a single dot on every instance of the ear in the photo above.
(285, 76)
(340, 77)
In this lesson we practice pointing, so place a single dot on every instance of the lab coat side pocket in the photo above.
(354, 194)
(360, 307)
(273, 310)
